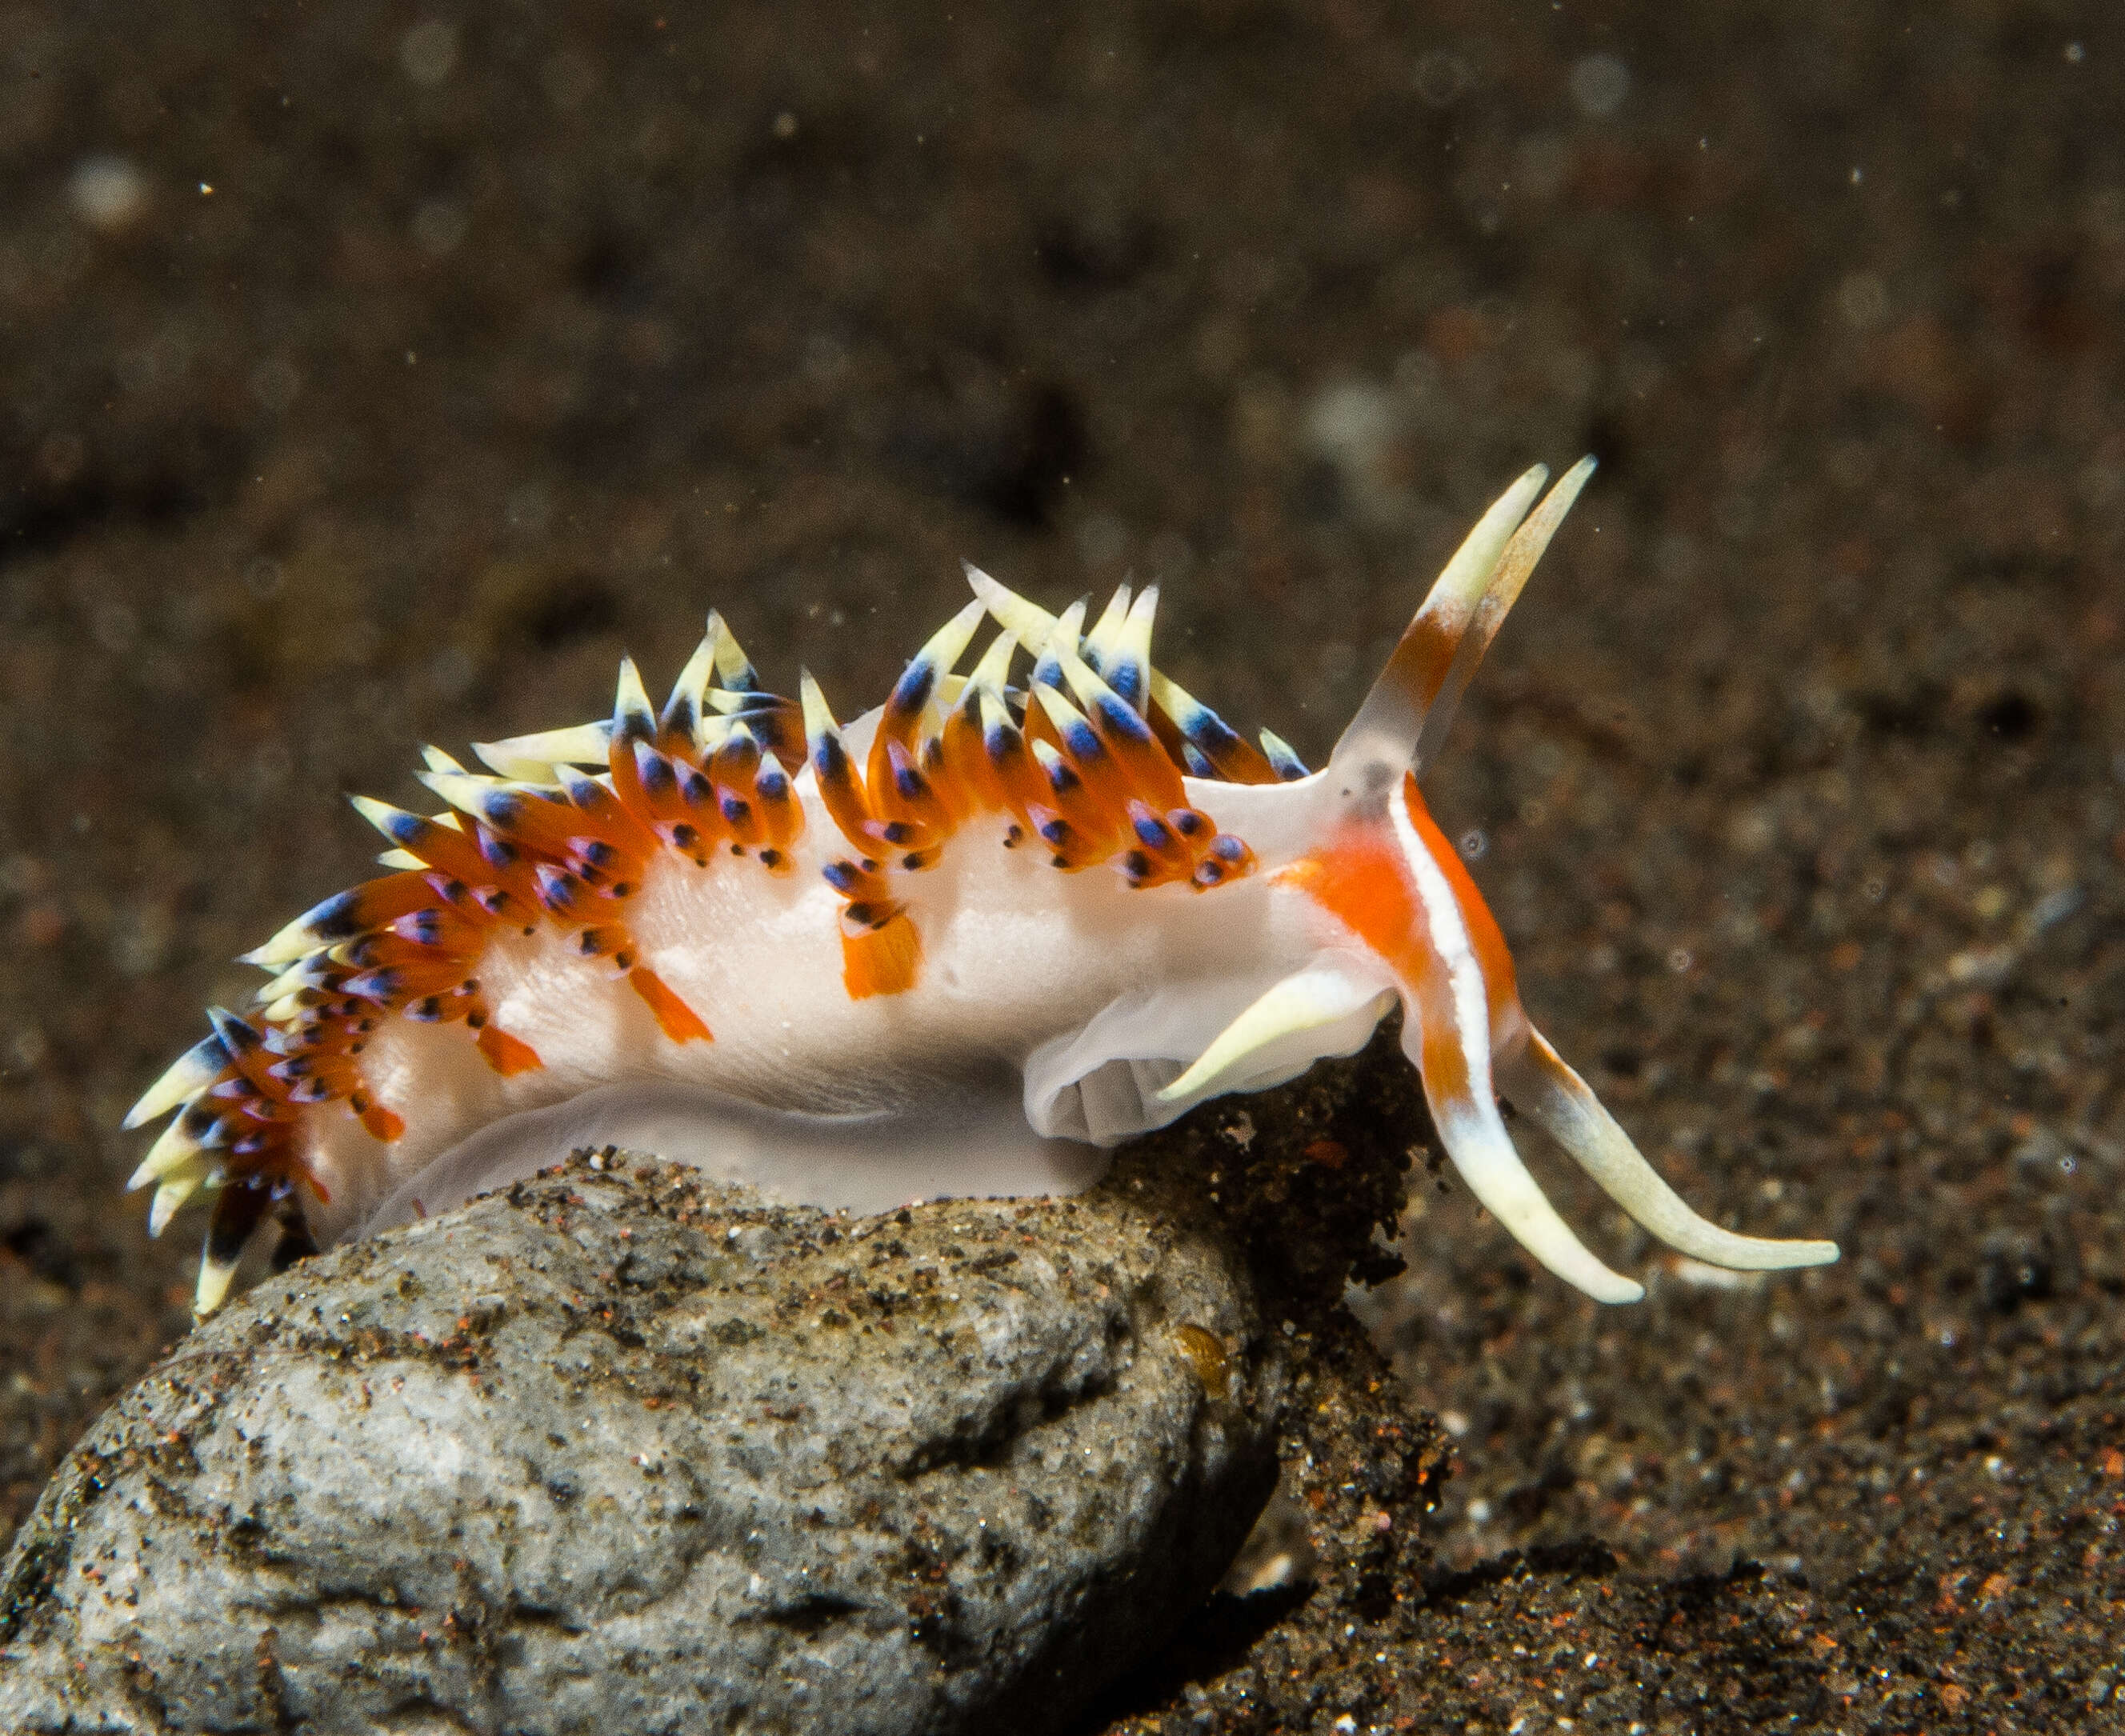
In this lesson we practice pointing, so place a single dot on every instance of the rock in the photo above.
(625, 1450)
(622, 1450)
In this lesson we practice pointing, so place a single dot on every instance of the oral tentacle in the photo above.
(1309, 1000)
(1483, 1152)
(1464, 992)
(1539, 1084)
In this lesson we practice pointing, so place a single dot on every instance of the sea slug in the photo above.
(955, 948)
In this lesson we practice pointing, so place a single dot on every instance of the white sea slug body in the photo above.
(843, 963)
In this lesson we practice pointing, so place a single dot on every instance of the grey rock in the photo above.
(623, 1451)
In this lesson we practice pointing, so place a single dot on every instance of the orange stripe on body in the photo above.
(1361, 878)
(1500, 980)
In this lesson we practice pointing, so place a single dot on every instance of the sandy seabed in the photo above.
(376, 376)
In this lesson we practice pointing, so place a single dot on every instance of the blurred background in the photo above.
(376, 373)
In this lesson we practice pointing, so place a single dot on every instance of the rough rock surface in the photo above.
(625, 1450)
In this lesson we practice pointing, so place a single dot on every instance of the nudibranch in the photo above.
(841, 963)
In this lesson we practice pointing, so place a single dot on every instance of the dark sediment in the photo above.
(1795, 773)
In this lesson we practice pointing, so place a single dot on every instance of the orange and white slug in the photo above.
(841, 963)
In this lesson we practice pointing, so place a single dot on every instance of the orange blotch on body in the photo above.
(382, 1123)
(507, 1055)
(882, 960)
(677, 1019)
